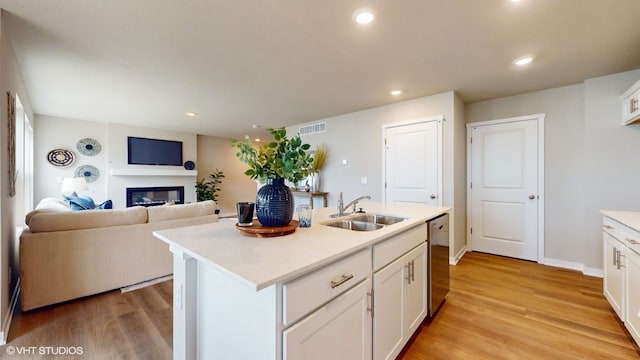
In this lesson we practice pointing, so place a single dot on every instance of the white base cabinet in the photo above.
(621, 285)
(340, 329)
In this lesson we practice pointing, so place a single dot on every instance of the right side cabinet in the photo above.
(621, 285)
(400, 291)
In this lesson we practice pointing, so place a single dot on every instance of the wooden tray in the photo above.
(258, 230)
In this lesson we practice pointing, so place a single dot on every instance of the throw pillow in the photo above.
(79, 203)
(105, 205)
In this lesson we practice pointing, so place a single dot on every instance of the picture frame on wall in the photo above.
(11, 131)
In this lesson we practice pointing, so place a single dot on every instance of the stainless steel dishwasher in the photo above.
(438, 261)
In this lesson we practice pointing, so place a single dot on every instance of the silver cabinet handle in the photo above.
(372, 308)
(408, 277)
(342, 280)
(413, 270)
(615, 256)
(632, 242)
(608, 227)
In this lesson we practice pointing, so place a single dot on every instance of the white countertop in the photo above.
(629, 218)
(261, 262)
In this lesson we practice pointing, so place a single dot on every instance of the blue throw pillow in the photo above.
(78, 203)
(105, 205)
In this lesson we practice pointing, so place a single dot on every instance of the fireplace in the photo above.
(153, 196)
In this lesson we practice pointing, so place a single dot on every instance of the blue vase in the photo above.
(274, 204)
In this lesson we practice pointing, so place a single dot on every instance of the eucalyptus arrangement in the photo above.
(282, 159)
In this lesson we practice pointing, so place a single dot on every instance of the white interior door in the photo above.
(504, 187)
(412, 162)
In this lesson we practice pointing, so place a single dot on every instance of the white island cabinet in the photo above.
(307, 295)
(621, 285)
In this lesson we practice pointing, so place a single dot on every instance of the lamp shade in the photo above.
(74, 185)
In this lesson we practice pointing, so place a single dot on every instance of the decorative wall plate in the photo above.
(90, 173)
(88, 146)
(61, 157)
(189, 165)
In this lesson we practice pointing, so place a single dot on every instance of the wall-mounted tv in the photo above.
(143, 151)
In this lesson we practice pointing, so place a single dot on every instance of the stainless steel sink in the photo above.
(378, 218)
(354, 225)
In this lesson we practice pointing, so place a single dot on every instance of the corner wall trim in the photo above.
(6, 323)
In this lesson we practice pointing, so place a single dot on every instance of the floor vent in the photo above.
(313, 129)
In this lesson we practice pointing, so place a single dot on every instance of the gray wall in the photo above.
(357, 138)
(583, 137)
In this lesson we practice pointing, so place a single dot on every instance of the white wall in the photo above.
(58, 133)
(583, 141)
(117, 159)
(10, 80)
(357, 138)
(52, 133)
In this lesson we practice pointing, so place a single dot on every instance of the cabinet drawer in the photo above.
(631, 239)
(389, 250)
(305, 294)
(613, 228)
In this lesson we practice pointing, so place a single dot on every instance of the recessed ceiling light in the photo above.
(191, 114)
(363, 16)
(395, 92)
(256, 140)
(524, 60)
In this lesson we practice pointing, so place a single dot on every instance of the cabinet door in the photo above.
(400, 302)
(416, 291)
(632, 321)
(388, 320)
(613, 274)
(341, 329)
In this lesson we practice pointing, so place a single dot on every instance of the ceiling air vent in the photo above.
(313, 129)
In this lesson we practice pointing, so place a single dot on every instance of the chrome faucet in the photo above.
(342, 207)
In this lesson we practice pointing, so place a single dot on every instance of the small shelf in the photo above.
(152, 172)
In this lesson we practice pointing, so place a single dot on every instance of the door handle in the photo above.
(432, 196)
(531, 197)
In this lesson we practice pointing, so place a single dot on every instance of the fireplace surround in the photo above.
(154, 196)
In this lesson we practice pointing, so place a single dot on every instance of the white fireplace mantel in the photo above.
(152, 172)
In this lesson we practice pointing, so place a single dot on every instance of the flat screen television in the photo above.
(143, 151)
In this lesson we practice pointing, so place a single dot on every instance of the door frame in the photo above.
(540, 213)
(440, 119)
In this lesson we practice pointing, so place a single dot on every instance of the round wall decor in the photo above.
(88, 146)
(189, 165)
(90, 173)
(61, 157)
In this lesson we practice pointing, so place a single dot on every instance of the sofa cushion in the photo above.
(162, 213)
(45, 221)
(53, 204)
(79, 203)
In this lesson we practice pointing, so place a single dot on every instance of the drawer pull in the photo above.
(632, 242)
(343, 279)
(608, 227)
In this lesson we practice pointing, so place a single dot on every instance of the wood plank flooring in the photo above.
(498, 308)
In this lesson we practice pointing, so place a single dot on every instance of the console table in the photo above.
(311, 195)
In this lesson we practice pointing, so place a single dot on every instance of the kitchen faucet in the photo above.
(342, 207)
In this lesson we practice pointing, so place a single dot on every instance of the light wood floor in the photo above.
(498, 308)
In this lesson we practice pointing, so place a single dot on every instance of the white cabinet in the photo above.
(633, 296)
(400, 294)
(631, 104)
(621, 284)
(341, 329)
(614, 273)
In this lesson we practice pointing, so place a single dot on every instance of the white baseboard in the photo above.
(6, 323)
(574, 266)
(454, 260)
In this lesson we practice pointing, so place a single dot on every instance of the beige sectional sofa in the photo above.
(70, 254)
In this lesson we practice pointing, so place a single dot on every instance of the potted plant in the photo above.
(207, 189)
(282, 159)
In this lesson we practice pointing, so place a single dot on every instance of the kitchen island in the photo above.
(309, 294)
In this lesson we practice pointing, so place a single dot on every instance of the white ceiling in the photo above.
(280, 62)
